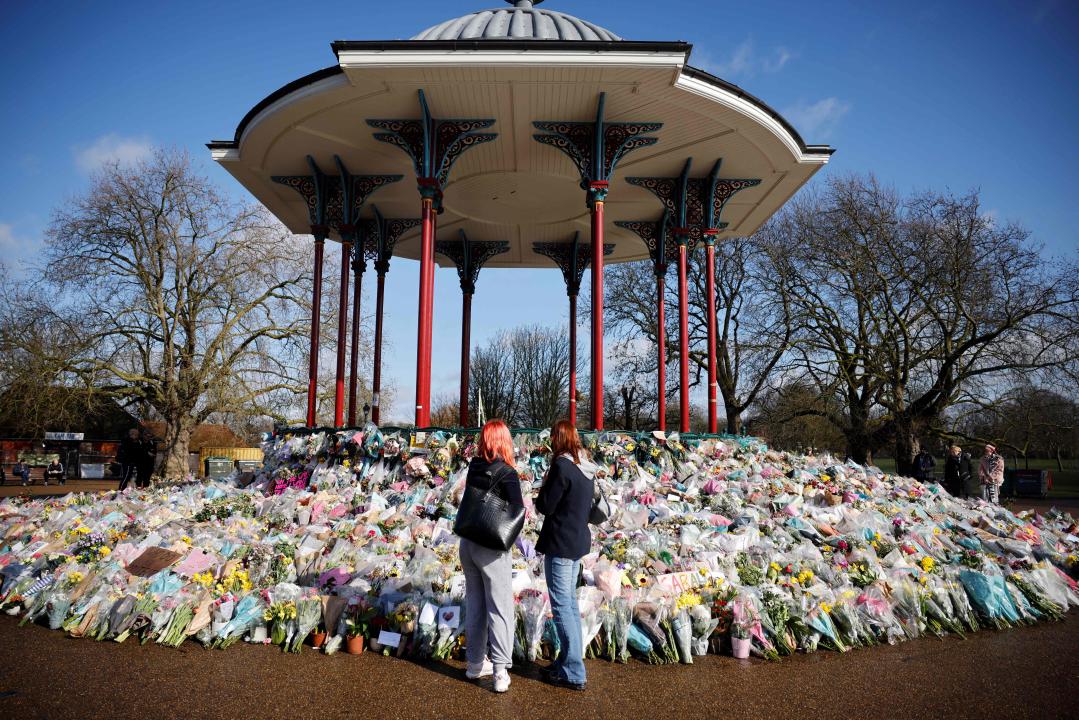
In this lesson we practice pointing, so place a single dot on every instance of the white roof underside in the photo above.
(514, 188)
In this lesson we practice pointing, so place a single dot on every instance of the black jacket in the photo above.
(482, 473)
(565, 501)
(957, 469)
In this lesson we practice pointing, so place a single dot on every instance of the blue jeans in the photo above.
(562, 587)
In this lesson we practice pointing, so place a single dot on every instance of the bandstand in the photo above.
(533, 138)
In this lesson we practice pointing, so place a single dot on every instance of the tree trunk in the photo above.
(906, 447)
(734, 421)
(175, 447)
(858, 447)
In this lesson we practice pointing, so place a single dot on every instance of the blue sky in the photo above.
(945, 95)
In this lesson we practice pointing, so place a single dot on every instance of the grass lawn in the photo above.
(1065, 483)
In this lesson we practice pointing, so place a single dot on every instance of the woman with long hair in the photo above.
(565, 501)
(489, 611)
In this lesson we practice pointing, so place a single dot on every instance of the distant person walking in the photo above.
(991, 474)
(957, 471)
(55, 472)
(128, 457)
(923, 466)
(22, 470)
(147, 455)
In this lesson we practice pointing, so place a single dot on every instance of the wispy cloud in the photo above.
(816, 121)
(9, 244)
(746, 61)
(111, 148)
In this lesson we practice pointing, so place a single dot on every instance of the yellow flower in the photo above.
(75, 577)
(186, 539)
(928, 563)
(826, 607)
(83, 530)
(104, 551)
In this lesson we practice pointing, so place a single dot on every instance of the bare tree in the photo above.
(753, 322)
(906, 305)
(523, 376)
(172, 298)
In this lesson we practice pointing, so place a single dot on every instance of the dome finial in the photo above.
(525, 4)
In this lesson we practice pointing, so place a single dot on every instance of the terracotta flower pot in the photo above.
(740, 647)
(317, 639)
(354, 645)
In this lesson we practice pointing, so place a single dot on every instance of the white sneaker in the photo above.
(502, 681)
(486, 669)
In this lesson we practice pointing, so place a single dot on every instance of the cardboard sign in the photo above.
(196, 562)
(389, 639)
(152, 561)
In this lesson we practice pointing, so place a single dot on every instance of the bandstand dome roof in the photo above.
(523, 21)
(517, 65)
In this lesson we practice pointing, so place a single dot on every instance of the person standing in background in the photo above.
(957, 471)
(128, 457)
(991, 474)
(923, 466)
(147, 455)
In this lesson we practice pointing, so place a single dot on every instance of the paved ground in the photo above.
(38, 489)
(1025, 673)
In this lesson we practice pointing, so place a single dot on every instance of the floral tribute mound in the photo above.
(714, 545)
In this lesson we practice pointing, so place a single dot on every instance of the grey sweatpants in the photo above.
(489, 614)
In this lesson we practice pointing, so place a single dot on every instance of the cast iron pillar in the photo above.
(380, 238)
(695, 205)
(662, 247)
(595, 149)
(433, 145)
(469, 257)
(572, 259)
(354, 190)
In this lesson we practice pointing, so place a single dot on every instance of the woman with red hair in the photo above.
(565, 501)
(489, 611)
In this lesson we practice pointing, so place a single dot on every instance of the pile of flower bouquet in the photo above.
(714, 545)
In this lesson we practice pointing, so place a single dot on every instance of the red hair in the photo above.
(564, 439)
(495, 442)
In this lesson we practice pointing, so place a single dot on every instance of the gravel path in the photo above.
(1029, 672)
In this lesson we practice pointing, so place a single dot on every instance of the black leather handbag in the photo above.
(488, 519)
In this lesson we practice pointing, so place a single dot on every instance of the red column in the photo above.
(354, 358)
(466, 349)
(710, 284)
(376, 380)
(661, 340)
(423, 341)
(683, 330)
(573, 359)
(597, 314)
(342, 336)
(316, 317)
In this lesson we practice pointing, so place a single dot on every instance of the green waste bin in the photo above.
(218, 468)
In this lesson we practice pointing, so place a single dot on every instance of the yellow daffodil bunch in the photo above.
(927, 564)
(73, 578)
(825, 607)
(236, 581)
(205, 579)
(104, 551)
(687, 600)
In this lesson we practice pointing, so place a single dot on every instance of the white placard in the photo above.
(64, 436)
(389, 639)
(428, 614)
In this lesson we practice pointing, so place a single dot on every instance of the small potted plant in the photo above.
(318, 637)
(740, 640)
(358, 626)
